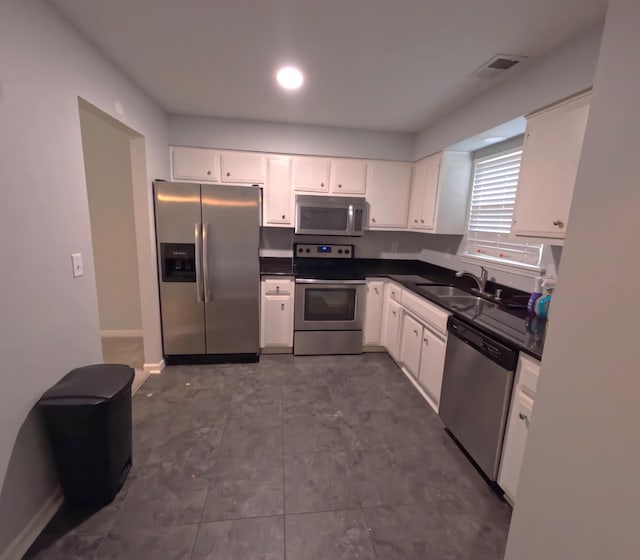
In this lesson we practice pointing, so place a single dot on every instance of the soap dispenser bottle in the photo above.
(542, 304)
(533, 298)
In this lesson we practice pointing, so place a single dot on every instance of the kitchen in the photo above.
(613, 251)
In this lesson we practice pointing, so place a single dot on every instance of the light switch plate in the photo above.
(76, 262)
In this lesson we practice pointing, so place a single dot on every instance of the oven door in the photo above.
(329, 305)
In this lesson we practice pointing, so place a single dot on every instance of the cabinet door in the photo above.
(373, 313)
(276, 322)
(348, 176)
(239, 167)
(515, 443)
(410, 344)
(311, 174)
(390, 327)
(196, 164)
(430, 174)
(432, 366)
(388, 192)
(278, 201)
(550, 156)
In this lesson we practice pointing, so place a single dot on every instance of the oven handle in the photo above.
(336, 282)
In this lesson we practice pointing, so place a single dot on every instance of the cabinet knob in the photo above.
(415, 332)
(524, 417)
(394, 313)
(375, 290)
(322, 184)
(422, 221)
(282, 306)
(558, 223)
(209, 172)
(228, 174)
(283, 216)
(339, 186)
(277, 288)
(415, 221)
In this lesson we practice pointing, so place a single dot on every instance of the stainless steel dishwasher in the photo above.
(476, 391)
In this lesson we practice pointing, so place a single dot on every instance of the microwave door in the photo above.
(323, 220)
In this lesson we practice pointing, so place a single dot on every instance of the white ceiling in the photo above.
(371, 64)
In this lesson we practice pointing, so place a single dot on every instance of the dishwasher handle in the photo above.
(503, 355)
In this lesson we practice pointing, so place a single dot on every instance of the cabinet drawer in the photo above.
(395, 292)
(278, 287)
(432, 314)
(528, 371)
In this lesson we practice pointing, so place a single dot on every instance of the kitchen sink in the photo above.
(443, 291)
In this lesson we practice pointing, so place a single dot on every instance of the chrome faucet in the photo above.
(480, 280)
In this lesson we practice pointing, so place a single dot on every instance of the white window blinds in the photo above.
(493, 196)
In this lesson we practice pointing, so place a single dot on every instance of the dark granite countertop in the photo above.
(507, 321)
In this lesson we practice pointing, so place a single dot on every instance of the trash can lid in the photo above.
(95, 383)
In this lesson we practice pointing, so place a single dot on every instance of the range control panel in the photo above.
(322, 251)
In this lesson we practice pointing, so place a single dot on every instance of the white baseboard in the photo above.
(21, 543)
(122, 333)
(153, 368)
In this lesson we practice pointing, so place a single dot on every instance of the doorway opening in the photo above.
(111, 165)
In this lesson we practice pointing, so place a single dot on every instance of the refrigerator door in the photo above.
(178, 228)
(231, 268)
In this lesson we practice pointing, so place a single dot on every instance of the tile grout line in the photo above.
(284, 511)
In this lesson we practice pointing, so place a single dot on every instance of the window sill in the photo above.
(528, 271)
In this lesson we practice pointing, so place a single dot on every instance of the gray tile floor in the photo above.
(296, 458)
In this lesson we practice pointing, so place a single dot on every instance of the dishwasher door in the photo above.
(476, 392)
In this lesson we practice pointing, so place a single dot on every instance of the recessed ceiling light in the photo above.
(494, 139)
(289, 77)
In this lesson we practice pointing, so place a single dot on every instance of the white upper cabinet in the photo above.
(550, 156)
(243, 167)
(311, 174)
(278, 196)
(439, 193)
(348, 176)
(195, 164)
(388, 191)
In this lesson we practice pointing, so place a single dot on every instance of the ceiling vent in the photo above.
(497, 65)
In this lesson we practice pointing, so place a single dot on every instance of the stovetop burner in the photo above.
(321, 261)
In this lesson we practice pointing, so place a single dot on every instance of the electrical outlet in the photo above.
(76, 263)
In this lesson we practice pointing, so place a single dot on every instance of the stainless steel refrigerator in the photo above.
(209, 271)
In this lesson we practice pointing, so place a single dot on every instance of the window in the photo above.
(493, 196)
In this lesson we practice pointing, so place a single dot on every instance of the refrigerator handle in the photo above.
(205, 261)
(198, 262)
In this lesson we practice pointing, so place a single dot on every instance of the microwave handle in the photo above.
(350, 220)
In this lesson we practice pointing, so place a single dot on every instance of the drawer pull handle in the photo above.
(282, 306)
(415, 332)
(426, 341)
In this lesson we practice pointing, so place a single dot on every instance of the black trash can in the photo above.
(87, 416)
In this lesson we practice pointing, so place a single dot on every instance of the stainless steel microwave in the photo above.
(330, 215)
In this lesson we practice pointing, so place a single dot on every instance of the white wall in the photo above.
(107, 160)
(579, 492)
(561, 73)
(233, 134)
(49, 321)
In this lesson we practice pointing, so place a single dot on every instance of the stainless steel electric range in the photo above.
(329, 300)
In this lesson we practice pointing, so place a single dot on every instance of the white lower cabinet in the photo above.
(390, 325)
(276, 316)
(373, 312)
(515, 441)
(410, 344)
(432, 365)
